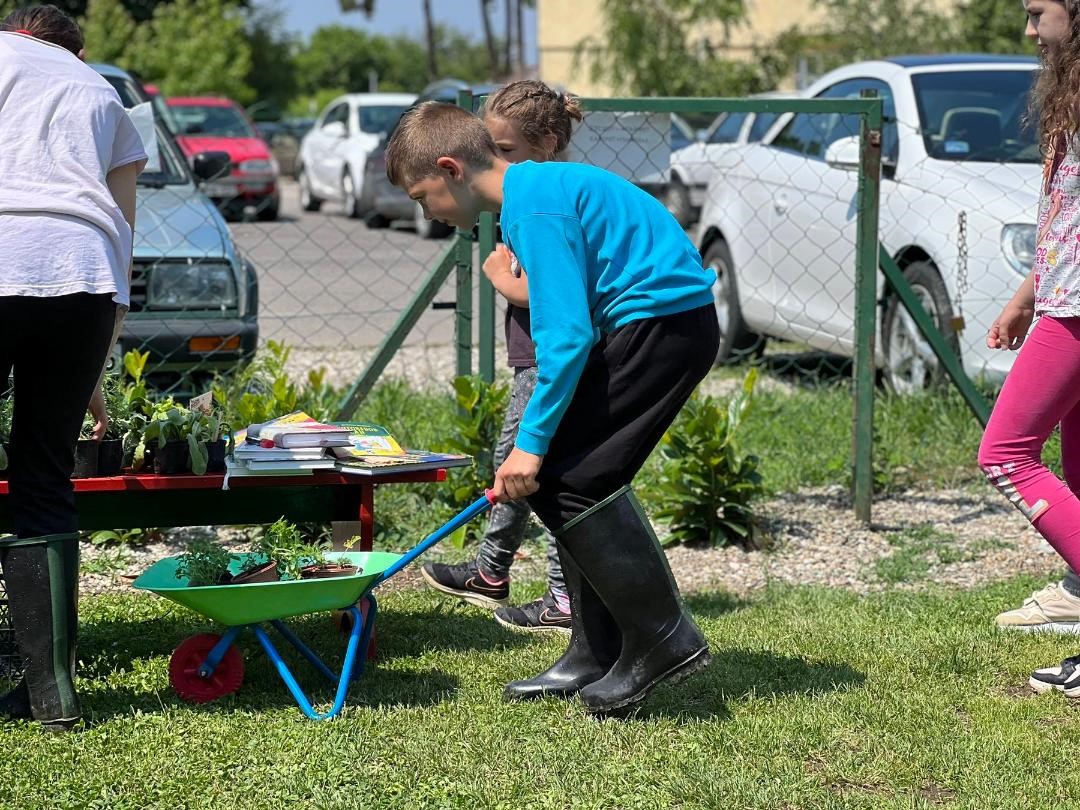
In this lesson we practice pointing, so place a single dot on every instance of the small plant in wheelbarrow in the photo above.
(204, 563)
(298, 558)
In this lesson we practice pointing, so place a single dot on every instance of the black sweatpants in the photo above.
(635, 381)
(56, 348)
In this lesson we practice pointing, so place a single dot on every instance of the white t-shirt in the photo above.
(62, 130)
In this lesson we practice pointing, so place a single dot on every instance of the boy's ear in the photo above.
(451, 168)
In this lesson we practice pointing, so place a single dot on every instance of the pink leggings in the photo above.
(1041, 391)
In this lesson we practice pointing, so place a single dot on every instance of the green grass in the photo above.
(815, 699)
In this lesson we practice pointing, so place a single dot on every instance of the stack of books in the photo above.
(297, 444)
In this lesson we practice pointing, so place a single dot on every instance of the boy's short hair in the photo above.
(433, 130)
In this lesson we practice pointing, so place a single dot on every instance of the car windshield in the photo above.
(977, 115)
(171, 169)
(380, 119)
(212, 119)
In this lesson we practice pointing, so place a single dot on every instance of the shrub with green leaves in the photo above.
(7, 408)
(476, 429)
(707, 485)
(284, 543)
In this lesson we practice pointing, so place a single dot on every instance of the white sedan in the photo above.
(960, 185)
(333, 154)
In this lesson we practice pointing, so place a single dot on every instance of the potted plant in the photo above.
(210, 440)
(118, 409)
(86, 451)
(164, 438)
(297, 558)
(204, 563)
(207, 563)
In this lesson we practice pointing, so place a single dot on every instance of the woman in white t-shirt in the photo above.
(68, 166)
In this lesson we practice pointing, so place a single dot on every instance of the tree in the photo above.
(108, 30)
(992, 26)
(193, 47)
(273, 74)
(649, 48)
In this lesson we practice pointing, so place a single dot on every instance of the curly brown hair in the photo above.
(1055, 99)
(538, 110)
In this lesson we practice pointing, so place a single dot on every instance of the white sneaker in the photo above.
(1051, 610)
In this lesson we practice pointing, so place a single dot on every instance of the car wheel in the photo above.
(376, 221)
(308, 200)
(677, 202)
(737, 343)
(349, 199)
(267, 211)
(429, 228)
(910, 363)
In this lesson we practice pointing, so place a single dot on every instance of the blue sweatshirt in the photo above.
(600, 253)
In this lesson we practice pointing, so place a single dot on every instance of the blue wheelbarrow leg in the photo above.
(365, 638)
(355, 635)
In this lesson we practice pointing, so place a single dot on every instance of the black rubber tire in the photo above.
(308, 200)
(737, 343)
(929, 286)
(677, 202)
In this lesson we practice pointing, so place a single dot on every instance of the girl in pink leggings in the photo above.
(1043, 388)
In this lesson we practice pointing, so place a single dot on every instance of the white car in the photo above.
(333, 154)
(960, 186)
(693, 166)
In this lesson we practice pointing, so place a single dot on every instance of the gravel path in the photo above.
(956, 538)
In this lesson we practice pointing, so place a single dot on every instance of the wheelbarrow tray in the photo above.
(235, 605)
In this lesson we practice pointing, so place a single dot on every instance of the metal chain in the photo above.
(961, 271)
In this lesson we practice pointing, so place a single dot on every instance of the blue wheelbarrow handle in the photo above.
(477, 507)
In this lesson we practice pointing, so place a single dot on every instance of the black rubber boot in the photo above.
(619, 555)
(42, 579)
(594, 643)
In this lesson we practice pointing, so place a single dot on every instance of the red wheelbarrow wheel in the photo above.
(184, 670)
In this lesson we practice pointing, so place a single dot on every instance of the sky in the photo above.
(402, 16)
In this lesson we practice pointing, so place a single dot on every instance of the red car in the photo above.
(218, 124)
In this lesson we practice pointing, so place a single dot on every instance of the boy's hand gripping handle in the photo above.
(477, 507)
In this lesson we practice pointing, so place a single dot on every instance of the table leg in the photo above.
(367, 516)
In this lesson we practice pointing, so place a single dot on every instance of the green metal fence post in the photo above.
(866, 262)
(486, 302)
(464, 306)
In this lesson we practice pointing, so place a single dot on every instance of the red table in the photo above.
(165, 501)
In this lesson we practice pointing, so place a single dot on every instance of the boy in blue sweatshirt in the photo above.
(625, 328)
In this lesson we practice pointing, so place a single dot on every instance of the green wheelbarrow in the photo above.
(208, 666)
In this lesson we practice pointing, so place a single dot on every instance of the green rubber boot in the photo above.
(42, 578)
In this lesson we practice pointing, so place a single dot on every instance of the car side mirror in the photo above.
(844, 154)
(335, 129)
(210, 165)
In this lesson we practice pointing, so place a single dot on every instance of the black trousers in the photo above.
(56, 348)
(635, 381)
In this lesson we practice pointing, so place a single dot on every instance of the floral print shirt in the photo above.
(1057, 239)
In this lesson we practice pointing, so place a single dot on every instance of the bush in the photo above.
(706, 485)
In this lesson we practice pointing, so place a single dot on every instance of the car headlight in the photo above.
(1018, 245)
(258, 166)
(196, 285)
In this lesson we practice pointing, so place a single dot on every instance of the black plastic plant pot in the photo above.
(327, 570)
(215, 461)
(86, 458)
(110, 458)
(267, 572)
(172, 459)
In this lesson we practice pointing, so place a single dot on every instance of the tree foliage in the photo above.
(108, 30)
(650, 49)
(194, 47)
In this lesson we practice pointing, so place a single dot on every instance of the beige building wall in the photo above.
(563, 24)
